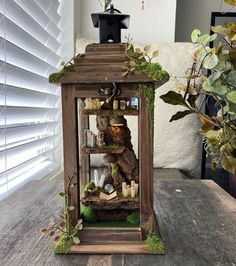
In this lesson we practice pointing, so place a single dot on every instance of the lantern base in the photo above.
(121, 248)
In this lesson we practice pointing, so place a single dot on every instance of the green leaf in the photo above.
(204, 39)
(226, 148)
(231, 78)
(146, 48)
(216, 87)
(210, 61)
(230, 2)
(220, 29)
(174, 98)
(229, 164)
(214, 77)
(132, 63)
(231, 96)
(212, 134)
(213, 37)
(76, 240)
(195, 35)
(61, 194)
(231, 108)
(180, 115)
(155, 53)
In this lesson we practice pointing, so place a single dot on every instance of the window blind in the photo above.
(29, 106)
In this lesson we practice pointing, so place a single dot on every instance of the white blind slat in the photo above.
(16, 35)
(16, 96)
(40, 16)
(29, 106)
(17, 15)
(23, 59)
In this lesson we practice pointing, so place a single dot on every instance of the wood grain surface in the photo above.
(197, 220)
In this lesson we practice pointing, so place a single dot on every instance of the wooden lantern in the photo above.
(96, 73)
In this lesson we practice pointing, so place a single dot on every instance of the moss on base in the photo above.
(64, 245)
(154, 244)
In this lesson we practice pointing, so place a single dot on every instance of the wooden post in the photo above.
(145, 169)
(70, 142)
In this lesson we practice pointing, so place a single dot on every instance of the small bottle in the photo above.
(123, 104)
(115, 104)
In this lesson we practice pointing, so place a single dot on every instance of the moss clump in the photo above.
(154, 244)
(89, 214)
(90, 185)
(64, 244)
(133, 218)
(154, 71)
(149, 94)
(54, 77)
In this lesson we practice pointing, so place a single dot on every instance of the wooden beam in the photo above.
(70, 143)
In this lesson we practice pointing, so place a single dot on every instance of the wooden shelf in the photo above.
(131, 112)
(117, 203)
(105, 149)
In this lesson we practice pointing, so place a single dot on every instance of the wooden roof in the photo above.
(103, 63)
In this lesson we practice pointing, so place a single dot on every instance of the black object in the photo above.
(110, 24)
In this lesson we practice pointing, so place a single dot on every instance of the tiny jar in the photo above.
(115, 104)
(123, 104)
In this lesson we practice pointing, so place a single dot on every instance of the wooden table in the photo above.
(197, 221)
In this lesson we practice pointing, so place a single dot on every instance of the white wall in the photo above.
(191, 14)
(67, 26)
(155, 24)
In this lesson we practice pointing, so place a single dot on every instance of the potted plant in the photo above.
(212, 76)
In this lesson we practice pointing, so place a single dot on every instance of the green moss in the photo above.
(154, 244)
(64, 244)
(149, 94)
(133, 218)
(89, 214)
(55, 77)
(154, 71)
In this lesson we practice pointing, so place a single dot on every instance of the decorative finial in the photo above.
(105, 4)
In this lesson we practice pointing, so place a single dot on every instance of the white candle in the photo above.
(136, 189)
(128, 189)
(132, 183)
(125, 193)
(115, 104)
(132, 192)
(123, 187)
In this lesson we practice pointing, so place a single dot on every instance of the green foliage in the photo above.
(67, 67)
(63, 245)
(89, 185)
(149, 94)
(63, 232)
(89, 214)
(155, 244)
(55, 77)
(133, 218)
(218, 131)
(141, 61)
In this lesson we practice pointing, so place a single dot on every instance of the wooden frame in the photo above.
(79, 85)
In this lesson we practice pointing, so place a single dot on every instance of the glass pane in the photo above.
(109, 169)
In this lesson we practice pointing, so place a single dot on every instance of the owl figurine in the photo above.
(105, 4)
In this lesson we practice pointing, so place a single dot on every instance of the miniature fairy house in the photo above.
(115, 199)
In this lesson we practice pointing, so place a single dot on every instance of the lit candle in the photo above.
(132, 193)
(136, 189)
